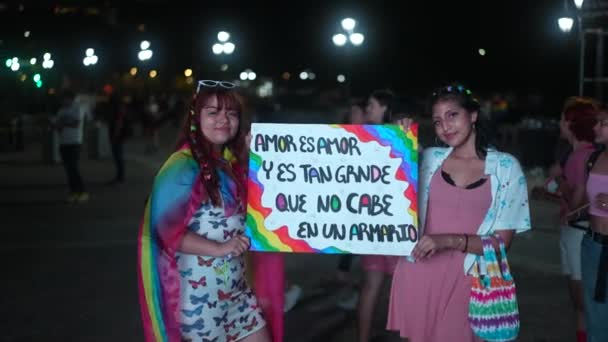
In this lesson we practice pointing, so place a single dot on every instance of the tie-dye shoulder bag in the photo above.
(493, 310)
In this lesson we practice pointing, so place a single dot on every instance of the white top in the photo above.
(509, 208)
(71, 135)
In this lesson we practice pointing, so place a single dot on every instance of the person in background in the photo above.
(576, 126)
(375, 267)
(190, 249)
(70, 125)
(457, 204)
(594, 250)
(151, 121)
(356, 112)
(355, 116)
(120, 129)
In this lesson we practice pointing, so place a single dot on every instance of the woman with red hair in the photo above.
(576, 126)
(190, 249)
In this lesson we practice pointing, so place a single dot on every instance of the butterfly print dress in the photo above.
(216, 302)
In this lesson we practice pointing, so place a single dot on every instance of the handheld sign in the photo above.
(333, 189)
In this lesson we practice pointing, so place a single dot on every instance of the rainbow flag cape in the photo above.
(164, 223)
(176, 195)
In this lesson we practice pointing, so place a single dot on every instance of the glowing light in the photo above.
(339, 39)
(565, 24)
(133, 71)
(223, 36)
(348, 24)
(90, 58)
(153, 73)
(217, 48)
(303, 75)
(341, 78)
(33, 61)
(265, 89)
(482, 52)
(144, 55)
(229, 48)
(188, 72)
(144, 45)
(356, 38)
(48, 64)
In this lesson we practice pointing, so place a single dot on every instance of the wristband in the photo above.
(466, 243)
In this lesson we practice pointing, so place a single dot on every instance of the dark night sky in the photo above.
(410, 46)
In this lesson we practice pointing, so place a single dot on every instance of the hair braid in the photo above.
(202, 155)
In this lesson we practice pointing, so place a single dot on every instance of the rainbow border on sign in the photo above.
(403, 145)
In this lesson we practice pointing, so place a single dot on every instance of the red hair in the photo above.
(202, 149)
(581, 118)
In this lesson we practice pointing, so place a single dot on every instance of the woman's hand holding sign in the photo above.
(405, 123)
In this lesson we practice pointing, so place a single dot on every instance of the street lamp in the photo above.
(14, 65)
(90, 57)
(224, 46)
(348, 24)
(145, 52)
(566, 23)
(342, 39)
(247, 74)
(47, 62)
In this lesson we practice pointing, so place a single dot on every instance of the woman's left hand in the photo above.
(405, 123)
(427, 247)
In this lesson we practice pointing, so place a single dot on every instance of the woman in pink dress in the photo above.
(466, 190)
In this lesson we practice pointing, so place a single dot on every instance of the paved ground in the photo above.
(69, 270)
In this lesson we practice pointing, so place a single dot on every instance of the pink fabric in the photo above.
(379, 263)
(596, 184)
(575, 173)
(269, 279)
(430, 299)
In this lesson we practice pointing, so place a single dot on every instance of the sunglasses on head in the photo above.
(212, 83)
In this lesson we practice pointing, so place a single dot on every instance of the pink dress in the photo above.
(430, 299)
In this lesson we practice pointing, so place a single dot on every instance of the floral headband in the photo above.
(455, 89)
